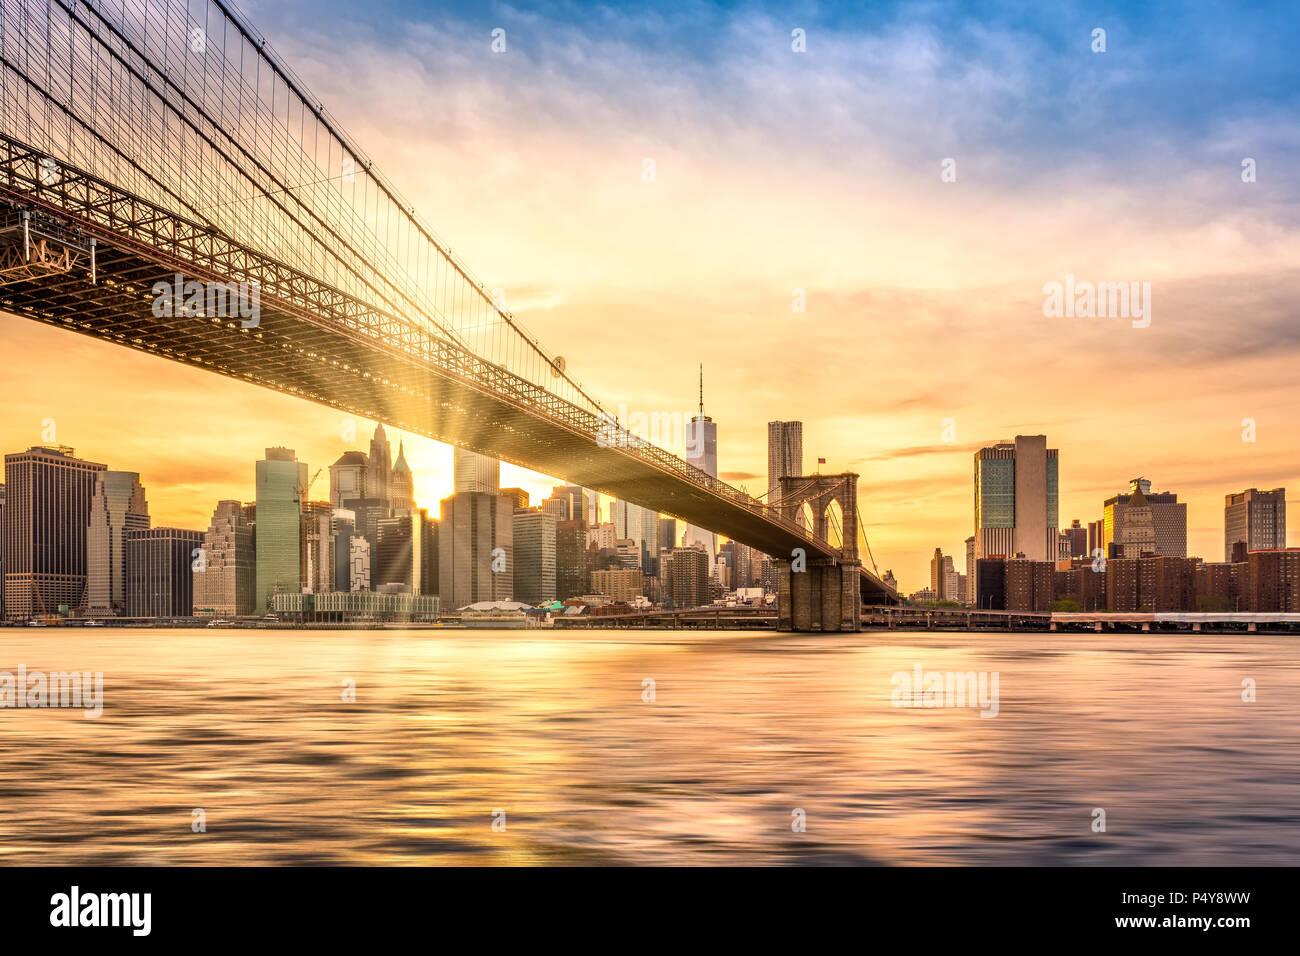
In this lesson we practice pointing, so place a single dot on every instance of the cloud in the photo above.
(917, 451)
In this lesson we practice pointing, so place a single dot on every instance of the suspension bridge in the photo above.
(149, 144)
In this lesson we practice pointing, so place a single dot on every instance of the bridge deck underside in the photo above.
(344, 370)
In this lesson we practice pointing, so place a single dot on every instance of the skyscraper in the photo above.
(667, 534)
(1096, 538)
(474, 472)
(702, 452)
(343, 526)
(970, 569)
(47, 513)
(379, 465)
(577, 507)
(159, 572)
(688, 578)
(401, 483)
(225, 587)
(634, 523)
(571, 572)
(281, 485)
(317, 541)
(1135, 531)
(534, 537)
(359, 558)
(1078, 537)
(475, 541)
(1168, 518)
(943, 577)
(406, 549)
(348, 477)
(518, 497)
(117, 507)
(784, 455)
(1016, 499)
(740, 559)
(1256, 517)
(2, 552)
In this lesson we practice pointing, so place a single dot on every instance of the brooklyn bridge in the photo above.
(159, 141)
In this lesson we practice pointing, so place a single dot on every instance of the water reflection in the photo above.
(251, 727)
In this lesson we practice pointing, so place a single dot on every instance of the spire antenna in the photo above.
(701, 389)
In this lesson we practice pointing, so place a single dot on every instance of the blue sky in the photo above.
(1016, 84)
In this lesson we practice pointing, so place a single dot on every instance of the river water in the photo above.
(553, 737)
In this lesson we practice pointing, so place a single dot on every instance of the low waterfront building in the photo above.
(342, 607)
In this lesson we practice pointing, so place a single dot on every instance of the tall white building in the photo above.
(702, 452)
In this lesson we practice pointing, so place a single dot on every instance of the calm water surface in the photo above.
(551, 728)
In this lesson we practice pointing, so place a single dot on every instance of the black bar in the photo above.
(984, 906)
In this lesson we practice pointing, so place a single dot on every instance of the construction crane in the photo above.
(310, 559)
(304, 493)
(46, 618)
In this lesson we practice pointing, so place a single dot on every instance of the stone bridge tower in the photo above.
(815, 592)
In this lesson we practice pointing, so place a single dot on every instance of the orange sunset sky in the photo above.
(774, 172)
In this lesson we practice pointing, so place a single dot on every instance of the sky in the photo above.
(923, 335)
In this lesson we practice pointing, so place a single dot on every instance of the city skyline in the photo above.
(540, 488)
(909, 316)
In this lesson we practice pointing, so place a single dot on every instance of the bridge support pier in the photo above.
(824, 597)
